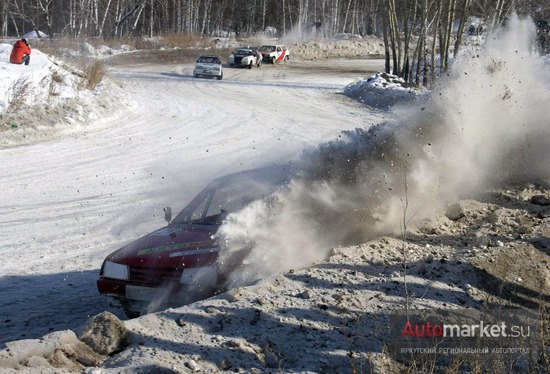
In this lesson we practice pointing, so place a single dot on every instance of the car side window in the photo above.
(200, 212)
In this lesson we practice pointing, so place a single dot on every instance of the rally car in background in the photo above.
(208, 66)
(245, 57)
(177, 264)
(274, 53)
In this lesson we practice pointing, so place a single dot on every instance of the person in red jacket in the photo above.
(21, 52)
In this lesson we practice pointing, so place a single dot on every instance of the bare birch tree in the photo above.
(404, 24)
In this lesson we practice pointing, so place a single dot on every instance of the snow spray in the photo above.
(485, 124)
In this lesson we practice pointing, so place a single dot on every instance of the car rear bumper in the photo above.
(209, 73)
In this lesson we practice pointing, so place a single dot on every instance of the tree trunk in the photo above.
(393, 35)
(433, 67)
(462, 26)
(3, 19)
(387, 52)
(346, 16)
(408, 27)
(449, 32)
(104, 19)
(151, 18)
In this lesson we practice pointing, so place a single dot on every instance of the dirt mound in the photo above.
(366, 47)
(485, 252)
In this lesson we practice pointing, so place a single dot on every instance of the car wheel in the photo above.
(273, 59)
(286, 58)
(219, 77)
(249, 66)
(129, 309)
(131, 314)
(259, 64)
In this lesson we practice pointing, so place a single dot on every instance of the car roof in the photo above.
(209, 60)
(276, 174)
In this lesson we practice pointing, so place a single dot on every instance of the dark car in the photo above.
(176, 264)
(245, 57)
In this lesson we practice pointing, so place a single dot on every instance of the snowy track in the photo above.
(67, 203)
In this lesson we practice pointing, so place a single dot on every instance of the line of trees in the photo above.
(122, 18)
(419, 35)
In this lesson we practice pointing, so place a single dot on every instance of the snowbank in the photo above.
(39, 82)
(35, 35)
(345, 48)
(49, 98)
(383, 90)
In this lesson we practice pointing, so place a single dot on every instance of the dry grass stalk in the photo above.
(18, 92)
(54, 82)
(93, 75)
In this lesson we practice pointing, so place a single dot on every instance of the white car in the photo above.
(208, 66)
(245, 57)
(275, 53)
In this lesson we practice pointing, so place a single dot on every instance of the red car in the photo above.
(176, 264)
(274, 53)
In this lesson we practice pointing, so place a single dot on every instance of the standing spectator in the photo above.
(21, 52)
(318, 27)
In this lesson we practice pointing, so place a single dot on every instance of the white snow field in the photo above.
(68, 202)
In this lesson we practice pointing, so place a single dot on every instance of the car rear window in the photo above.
(209, 60)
